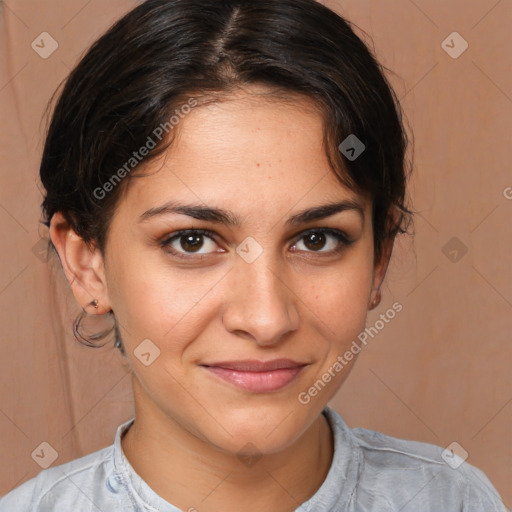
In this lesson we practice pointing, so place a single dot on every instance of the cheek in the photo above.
(164, 305)
(339, 300)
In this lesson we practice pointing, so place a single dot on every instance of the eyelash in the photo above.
(339, 235)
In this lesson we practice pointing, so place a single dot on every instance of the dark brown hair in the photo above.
(143, 69)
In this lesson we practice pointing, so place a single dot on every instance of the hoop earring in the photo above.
(91, 339)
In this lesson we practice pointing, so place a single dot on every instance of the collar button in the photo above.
(113, 482)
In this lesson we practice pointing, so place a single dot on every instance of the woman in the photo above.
(225, 180)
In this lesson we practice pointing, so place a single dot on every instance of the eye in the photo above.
(197, 243)
(190, 241)
(324, 240)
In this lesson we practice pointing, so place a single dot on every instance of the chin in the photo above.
(261, 430)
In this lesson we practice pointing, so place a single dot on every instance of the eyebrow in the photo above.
(220, 216)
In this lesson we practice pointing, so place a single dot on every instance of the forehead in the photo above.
(248, 150)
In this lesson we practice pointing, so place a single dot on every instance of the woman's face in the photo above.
(263, 288)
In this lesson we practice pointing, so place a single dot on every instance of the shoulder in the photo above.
(398, 474)
(413, 475)
(66, 485)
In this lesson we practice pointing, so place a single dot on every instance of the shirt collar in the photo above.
(337, 488)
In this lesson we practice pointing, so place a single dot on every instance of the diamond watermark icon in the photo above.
(249, 250)
(351, 147)
(454, 250)
(45, 455)
(454, 455)
(249, 455)
(146, 352)
(40, 249)
(454, 45)
(44, 45)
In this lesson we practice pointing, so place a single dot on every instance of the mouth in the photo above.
(256, 376)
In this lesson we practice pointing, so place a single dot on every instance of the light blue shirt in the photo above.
(370, 472)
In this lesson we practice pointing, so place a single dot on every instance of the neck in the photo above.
(189, 472)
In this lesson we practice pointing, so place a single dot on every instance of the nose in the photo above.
(260, 305)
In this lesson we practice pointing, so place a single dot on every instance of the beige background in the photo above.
(439, 372)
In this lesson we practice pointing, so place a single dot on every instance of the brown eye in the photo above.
(324, 241)
(315, 241)
(190, 241)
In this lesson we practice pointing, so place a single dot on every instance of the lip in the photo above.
(253, 365)
(257, 376)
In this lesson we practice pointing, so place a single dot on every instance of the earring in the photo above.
(94, 303)
(91, 334)
(376, 300)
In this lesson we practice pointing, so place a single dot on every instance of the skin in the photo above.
(264, 161)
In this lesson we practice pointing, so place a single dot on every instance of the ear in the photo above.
(379, 271)
(82, 264)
